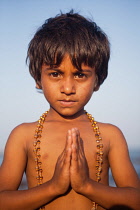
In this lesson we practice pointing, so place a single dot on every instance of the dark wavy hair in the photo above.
(71, 34)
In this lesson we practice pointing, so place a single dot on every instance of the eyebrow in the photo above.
(86, 70)
(53, 69)
(59, 70)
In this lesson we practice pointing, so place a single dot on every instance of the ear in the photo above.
(96, 86)
(38, 86)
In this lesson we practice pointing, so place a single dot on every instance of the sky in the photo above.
(118, 99)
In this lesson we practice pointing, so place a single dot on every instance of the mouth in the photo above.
(67, 103)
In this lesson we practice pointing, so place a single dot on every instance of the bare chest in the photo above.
(52, 144)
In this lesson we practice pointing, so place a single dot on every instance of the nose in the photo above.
(68, 86)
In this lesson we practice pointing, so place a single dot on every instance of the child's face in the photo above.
(66, 89)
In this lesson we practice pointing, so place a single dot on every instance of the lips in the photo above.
(67, 103)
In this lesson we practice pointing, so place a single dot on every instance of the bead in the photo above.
(37, 135)
(40, 126)
(37, 168)
(98, 132)
(98, 141)
(93, 208)
(39, 177)
(43, 207)
(35, 143)
(98, 152)
(101, 152)
(99, 146)
(99, 159)
(98, 173)
(42, 118)
(38, 130)
(39, 183)
(96, 128)
(38, 155)
(100, 169)
(36, 149)
(98, 177)
(36, 159)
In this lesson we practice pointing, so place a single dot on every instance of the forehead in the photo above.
(66, 63)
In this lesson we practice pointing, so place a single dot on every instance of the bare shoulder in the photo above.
(20, 136)
(25, 126)
(112, 133)
(24, 129)
(107, 127)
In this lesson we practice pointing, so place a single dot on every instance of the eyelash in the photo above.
(54, 74)
(76, 75)
(80, 75)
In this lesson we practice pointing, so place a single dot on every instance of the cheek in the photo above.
(47, 91)
(47, 86)
(86, 93)
(87, 89)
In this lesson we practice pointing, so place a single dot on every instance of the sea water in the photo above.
(134, 155)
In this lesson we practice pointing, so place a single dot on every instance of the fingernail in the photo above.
(73, 129)
(69, 132)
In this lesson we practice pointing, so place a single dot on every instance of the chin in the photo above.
(70, 113)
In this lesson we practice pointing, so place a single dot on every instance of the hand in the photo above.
(61, 177)
(79, 171)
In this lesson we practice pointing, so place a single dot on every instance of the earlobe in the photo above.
(96, 86)
(38, 86)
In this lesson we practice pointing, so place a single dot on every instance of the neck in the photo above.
(53, 115)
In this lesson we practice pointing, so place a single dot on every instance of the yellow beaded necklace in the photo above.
(37, 142)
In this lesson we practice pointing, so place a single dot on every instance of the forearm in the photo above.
(108, 197)
(27, 199)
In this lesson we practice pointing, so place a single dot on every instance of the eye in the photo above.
(54, 74)
(80, 75)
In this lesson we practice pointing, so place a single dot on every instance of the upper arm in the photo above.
(14, 162)
(121, 166)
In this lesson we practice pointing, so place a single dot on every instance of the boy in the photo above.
(66, 153)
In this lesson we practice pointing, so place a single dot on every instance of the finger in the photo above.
(78, 137)
(74, 145)
(74, 138)
(79, 142)
(68, 140)
(67, 148)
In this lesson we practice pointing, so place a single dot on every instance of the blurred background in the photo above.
(117, 101)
